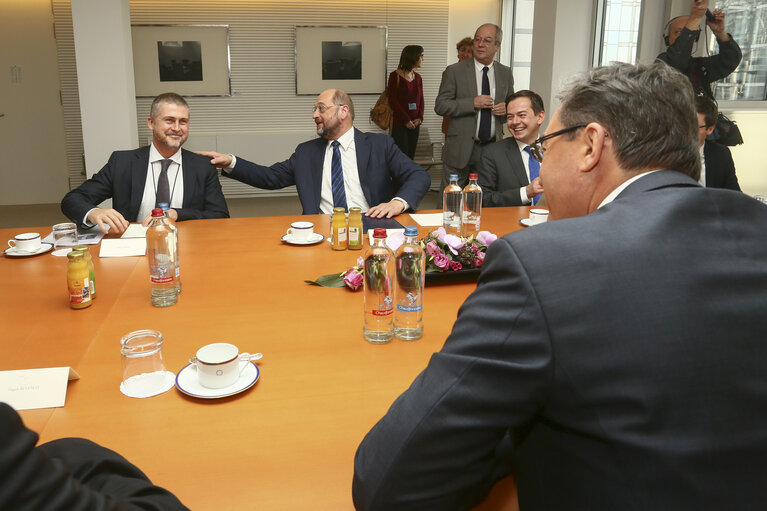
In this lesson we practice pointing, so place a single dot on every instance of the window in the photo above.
(617, 31)
(517, 44)
(746, 21)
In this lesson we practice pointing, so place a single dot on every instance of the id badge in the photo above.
(412, 106)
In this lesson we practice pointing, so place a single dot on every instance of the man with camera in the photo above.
(683, 32)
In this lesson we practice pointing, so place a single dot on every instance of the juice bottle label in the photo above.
(79, 290)
(354, 235)
(342, 234)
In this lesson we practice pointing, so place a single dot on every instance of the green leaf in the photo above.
(332, 280)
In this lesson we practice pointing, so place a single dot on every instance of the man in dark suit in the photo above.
(472, 94)
(70, 474)
(507, 166)
(343, 168)
(137, 181)
(717, 169)
(612, 358)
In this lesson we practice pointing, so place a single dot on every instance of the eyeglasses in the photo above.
(323, 108)
(536, 148)
(703, 126)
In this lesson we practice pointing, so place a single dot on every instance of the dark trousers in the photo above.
(406, 140)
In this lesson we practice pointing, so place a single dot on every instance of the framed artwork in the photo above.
(349, 58)
(190, 60)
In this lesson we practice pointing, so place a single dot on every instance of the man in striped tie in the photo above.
(343, 168)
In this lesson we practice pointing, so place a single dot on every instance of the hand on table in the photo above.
(386, 209)
(107, 219)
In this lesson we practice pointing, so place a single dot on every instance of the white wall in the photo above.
(464, 19)
(33, 169)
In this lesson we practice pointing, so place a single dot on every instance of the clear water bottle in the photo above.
(472, 206)
(164, 206)
(451, 206)
(410, 266)
(378, 286)
(161, 253)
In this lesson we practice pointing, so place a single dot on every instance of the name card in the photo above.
(29, 389)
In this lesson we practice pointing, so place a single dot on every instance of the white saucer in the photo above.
(12, 252)
(525, 222)
(314, 238)
(187, 382)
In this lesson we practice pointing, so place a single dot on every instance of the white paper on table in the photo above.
(135, 231)
(427, 219)
(28, 389)
(123, 247)
(88, 237)
(389, 232)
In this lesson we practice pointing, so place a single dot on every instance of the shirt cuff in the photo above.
(85, 219)
(523, 195)
(403, 201)
(231, 165)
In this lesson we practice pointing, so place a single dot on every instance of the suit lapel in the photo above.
(515, 160)
(471, 76)
(138, 171)
(362, 148)
(189, 177)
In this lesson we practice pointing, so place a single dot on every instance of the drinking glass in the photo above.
(64, 235)
(144, 373)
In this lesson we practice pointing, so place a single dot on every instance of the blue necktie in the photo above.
(535, 169)
(485, 114)
(337, 178)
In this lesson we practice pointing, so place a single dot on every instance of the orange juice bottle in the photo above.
(355, 229)
(338, 227)
(78, 281)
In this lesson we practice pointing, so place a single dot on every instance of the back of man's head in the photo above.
(166, 98)
(647, 109)
(707, 107)
(535, 100)
(342, 98)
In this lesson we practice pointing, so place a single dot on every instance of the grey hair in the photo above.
(166, 98)
(498, 32)
(647, 109)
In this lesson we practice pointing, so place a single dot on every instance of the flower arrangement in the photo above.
(444, 252)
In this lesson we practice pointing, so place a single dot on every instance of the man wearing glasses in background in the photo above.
(612, 358)
(508, 172)
(343, 168)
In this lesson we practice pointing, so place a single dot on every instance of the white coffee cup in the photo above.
(301, 231)
(220, 364)
(27, 242)
(538, 216)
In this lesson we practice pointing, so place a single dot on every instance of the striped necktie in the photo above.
(337, 178)
(535, 170)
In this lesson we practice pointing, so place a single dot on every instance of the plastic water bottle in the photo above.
(451, 206)
(164, 206)
(161, 253)
(472, 206)
(378, 290)
(410, 267)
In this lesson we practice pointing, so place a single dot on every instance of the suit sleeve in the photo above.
(722, 64)
(70, 474)
(90, 194)
(411, 180)
(279, 175)
(488, 179)
(678, 54)
(731, 179)
(214, 203)
(447, 102)
(436, 448)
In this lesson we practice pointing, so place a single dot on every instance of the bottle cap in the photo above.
(355, 209)
(473, 176)
(411, 230)
(339, 210)
(157, 212)
(453, 177)
(74, 255)
(379, 232)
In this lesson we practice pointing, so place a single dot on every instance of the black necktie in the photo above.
(163, 187)
(485, 114)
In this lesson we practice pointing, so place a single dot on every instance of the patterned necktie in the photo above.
(163, 188)
(535, 170)
(485, 114)
(337, 178)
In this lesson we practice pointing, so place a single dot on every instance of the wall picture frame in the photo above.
(190, 60)
(350, 58)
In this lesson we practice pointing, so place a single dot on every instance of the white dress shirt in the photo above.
(618, 189)
(491, 78)
(352, 186)
(702, 179)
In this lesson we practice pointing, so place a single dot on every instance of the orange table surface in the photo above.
(288, 442)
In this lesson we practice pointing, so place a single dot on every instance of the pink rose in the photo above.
(479, 260)
(455, 265)
(441, 261)
(432, 248)
(353, 280)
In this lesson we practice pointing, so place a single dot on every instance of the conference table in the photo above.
(288, 442)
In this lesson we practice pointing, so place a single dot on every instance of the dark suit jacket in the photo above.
(384, 172)
(455, 99)
(720, 169)
(502, 173)
(70, 474)
(625, 352)
(123, 178)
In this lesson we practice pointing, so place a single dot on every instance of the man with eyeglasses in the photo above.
(717, 169)
(508, 171)
(343, 168)
(472, 94)
(611, 359)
